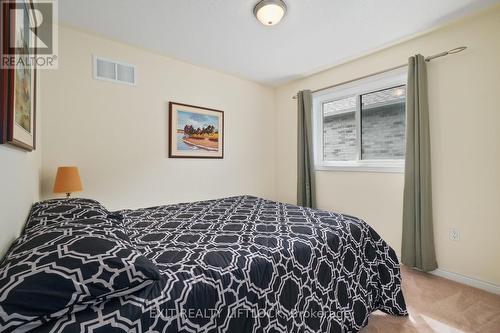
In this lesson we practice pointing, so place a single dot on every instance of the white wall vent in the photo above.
(114, 71)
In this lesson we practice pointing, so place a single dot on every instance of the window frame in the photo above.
(386, 80)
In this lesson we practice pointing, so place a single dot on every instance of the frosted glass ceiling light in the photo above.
(270, 12)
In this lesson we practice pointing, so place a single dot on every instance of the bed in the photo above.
(239, 264)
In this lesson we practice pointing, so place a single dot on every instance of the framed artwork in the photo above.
(4, 79)
(18, 99)
(195, 132)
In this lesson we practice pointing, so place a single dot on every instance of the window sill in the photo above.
(394, 166)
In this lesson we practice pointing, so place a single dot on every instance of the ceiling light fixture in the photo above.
(270, 12)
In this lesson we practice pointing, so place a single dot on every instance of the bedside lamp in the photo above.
(67, 181)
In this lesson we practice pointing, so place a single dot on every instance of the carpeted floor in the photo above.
(438, 305)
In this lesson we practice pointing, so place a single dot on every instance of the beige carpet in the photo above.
(438, 305)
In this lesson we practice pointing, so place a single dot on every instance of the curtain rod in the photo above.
(432, 57)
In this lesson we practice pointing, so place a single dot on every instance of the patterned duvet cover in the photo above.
(246, 264)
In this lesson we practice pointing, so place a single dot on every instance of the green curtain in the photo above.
(305, 170)
(418, 239)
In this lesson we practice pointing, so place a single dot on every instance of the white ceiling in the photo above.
(224, 35)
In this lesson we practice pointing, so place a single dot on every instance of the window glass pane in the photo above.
(339, 130)
(383, 124)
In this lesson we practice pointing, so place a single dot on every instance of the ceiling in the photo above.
(224, 35)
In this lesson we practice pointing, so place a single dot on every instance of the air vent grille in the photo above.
(114, 71)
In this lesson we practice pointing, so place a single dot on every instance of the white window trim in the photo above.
(371, 84)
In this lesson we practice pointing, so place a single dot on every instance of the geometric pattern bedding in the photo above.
(56, 269)
(53, 211)
(246, 264)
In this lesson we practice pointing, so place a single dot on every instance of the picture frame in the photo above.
(195, 132)
(18, 96)
(3, 72)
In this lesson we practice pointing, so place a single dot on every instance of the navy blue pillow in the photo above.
(64, 267)
(45, 213)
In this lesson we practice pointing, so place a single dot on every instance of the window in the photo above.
(360, 126)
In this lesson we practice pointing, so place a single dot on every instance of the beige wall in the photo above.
(19, 186)
(19, 179)
(117, 134)
(465, 135)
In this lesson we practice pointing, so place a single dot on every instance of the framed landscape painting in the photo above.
(195, 132)
(18, 98)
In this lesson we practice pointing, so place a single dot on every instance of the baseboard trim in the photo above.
(487, 286)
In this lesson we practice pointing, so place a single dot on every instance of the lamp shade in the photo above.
(67, 180)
